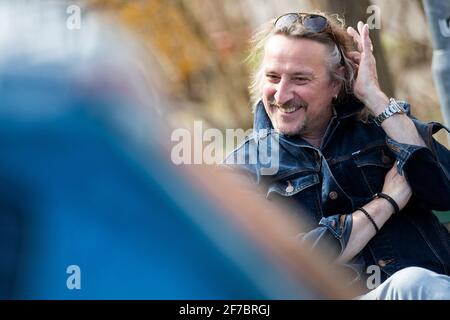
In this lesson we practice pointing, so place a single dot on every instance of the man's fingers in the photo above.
(355, 56)
(366, 42)
(356, 38)
(393, 172)
(360, 27)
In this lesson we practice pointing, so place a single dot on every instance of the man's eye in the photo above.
(272, 77)
(301, 80)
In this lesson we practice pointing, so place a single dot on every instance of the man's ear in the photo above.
(337, 82)
(341, 71)
(337, 85)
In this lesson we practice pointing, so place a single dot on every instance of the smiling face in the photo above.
(297, 88)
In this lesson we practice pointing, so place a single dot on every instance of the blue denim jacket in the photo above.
(330, 182)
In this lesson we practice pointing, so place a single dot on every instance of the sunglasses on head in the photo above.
(312, 22)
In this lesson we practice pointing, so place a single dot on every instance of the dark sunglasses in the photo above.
(311, 22)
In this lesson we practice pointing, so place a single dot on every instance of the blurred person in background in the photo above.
(91, 206)
(366, 172)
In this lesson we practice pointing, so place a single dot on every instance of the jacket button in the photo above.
(382, 263)
(289, 188)
(333, 195)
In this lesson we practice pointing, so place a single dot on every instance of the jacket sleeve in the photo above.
(427, 169)
(330, 236)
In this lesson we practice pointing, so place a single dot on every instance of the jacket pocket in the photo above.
(298, 192)
(292, 185)
(373, 164)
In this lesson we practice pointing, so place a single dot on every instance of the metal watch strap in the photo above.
(392, 108)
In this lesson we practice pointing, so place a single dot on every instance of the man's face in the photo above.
(297, 89)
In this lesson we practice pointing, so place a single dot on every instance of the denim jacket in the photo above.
(330, 182)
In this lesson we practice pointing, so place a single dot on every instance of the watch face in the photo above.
(397, 107)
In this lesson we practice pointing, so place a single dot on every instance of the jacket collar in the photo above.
(296, 145)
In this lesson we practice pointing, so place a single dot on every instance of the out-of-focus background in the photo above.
(86, 115)
(201, 46)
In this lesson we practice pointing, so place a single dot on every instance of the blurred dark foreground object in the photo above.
(91, 206)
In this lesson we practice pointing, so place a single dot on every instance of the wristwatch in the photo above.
(392, 108)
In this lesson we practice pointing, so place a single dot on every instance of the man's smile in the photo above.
(289, 110)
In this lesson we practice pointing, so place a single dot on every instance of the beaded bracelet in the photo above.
(370, 218)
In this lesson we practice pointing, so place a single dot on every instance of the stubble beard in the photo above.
(298, 104)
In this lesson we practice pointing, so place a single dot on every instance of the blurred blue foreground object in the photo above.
(71, 193)
(91, 206)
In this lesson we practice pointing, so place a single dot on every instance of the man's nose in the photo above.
(284, 92)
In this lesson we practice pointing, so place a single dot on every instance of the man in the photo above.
(365, 171)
